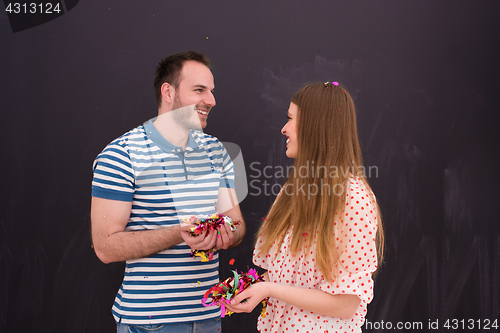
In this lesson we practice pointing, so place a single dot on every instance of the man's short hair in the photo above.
(169, 70)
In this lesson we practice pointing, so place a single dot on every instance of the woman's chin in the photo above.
(290, 154)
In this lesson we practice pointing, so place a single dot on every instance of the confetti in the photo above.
(205, 257)
(305, 234)
(213, 222)
(231, 262)
(223, 293)
(264, 307)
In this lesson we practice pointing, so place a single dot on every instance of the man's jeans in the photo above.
(204, 326)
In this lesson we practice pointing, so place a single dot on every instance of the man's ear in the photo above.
(167, 92)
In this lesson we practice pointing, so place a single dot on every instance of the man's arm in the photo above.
(112, 243)
(227, 204)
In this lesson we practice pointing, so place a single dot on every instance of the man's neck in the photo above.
(171, 131)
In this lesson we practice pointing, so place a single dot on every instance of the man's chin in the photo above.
(203, 124)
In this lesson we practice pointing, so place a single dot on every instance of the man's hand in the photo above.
(225, 237)
(228, 205)
(203, 241)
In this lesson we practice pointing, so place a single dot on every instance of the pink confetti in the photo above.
(223, 293)
(212, 222)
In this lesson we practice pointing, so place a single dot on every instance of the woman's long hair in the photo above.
(328, 148)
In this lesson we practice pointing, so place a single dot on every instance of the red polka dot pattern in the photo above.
(355, 243)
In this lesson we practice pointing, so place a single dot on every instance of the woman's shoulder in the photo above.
(357, 187)
(357, 182)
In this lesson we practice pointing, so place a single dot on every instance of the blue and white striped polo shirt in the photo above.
(165, 184)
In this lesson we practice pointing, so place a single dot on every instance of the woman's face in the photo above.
(290, 131)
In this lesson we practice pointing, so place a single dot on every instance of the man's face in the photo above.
(196, 86)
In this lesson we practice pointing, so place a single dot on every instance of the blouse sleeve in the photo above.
(355, 243)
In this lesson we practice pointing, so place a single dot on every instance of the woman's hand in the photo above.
(248, 299)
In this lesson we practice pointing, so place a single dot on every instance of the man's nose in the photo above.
(210, 99)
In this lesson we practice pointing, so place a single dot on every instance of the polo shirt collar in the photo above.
(165, 145)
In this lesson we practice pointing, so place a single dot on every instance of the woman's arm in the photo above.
(338, 306)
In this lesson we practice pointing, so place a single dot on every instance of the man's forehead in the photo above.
(194, 67)
(196, 74)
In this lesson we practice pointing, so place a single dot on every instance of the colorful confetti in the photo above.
(213, 222)
(231, 262)
(222, 293)
(204, 255)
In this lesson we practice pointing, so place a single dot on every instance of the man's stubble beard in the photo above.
(185, 118)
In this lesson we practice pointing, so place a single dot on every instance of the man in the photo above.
(145, 183)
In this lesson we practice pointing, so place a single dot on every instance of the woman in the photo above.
(322, 239)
